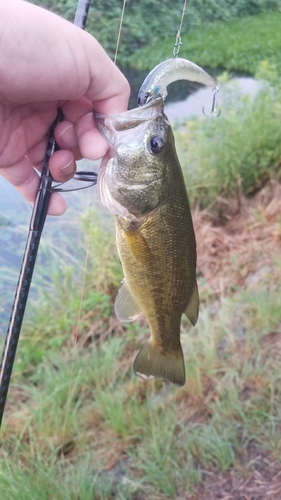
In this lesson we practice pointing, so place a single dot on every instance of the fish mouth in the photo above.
(109, 125)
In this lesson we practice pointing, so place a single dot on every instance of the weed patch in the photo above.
(233, 45)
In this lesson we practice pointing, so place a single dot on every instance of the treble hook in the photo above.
(214, 105)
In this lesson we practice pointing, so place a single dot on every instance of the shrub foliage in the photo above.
(147, 21)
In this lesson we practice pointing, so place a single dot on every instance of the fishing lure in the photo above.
(171, 70)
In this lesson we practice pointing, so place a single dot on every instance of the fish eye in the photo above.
(144, 98)
(156, 144)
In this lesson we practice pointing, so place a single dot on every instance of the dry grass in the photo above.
(262, 482)
(238, 248)
(98, 432)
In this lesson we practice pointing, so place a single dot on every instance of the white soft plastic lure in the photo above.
(157, 81)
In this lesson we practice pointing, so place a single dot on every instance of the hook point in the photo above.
(214, 105)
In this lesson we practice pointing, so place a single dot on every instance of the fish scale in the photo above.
(154, 234)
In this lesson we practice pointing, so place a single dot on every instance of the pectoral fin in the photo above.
(192, 309)
(126, 307)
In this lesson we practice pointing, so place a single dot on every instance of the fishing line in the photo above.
(178, 41)
(176, 49)
(120, 30)
(92, 178)
(76, 334)
(84, 176)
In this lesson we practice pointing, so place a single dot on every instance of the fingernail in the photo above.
(68, 136)
(69, 168)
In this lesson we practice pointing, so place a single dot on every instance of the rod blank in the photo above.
(36, 226)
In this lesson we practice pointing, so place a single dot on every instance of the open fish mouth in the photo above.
(109, 126)
(134, 117)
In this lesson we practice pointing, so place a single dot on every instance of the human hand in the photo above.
(46, 63)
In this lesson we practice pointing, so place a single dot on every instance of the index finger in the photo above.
(108, 89)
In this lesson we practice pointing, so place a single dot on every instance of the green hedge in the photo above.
(147, 21)
(243, 144)
(238, 45)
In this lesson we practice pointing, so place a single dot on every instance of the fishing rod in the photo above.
(36, 226)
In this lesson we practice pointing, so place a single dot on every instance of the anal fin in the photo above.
(192, 309)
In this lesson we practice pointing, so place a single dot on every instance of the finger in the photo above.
(57, 205)
(82, 67)
(37, 154)
(91, 143)
(26, 180)
(62, 168)
(62, 165)
(65, 135)
(66, 139)
(73, 110)
(23, 177)
(107, 91)
(108, 88)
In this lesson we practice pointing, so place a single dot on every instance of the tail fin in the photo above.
(152, 362)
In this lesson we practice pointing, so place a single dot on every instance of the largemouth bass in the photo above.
(142, 183)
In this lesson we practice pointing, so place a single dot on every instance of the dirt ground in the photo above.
(237, 245)
(239, 248)
(261, 481)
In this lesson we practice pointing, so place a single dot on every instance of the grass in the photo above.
(242, 145)
(78, 423)
(239, 45)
